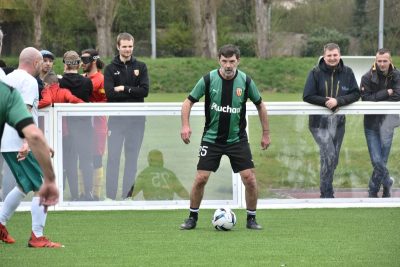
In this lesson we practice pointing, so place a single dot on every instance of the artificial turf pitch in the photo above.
(293, 237)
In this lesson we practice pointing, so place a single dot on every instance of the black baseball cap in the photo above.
(47, 53)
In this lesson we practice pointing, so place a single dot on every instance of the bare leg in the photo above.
(250, 184)
(197, 192)
(196, 196)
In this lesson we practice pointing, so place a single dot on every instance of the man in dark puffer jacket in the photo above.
(331, 84)
(380, 83)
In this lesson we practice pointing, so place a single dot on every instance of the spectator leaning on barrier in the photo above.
(52, 93)
(330, 84)
(380, 83)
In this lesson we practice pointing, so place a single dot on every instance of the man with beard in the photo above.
(125, 80)
(23, 164)
(92, 66)
(226, 92)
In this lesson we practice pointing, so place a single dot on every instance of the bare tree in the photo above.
(38, 7)
(103, 12)
(205, 25)
(262, 28)
(196, 20)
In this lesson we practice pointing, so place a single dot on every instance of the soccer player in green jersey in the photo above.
(31, 173)
(226, 91)
(14, 112)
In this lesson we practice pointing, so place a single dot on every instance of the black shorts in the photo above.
(238, 153)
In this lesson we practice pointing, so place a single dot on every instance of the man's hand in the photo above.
(186, 132)
(390, 91)
(120, 88)
(265, 140)
(48, 194)
(331, 102)
(51, 152)
(23, 152)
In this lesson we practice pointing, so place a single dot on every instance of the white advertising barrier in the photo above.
(171, 111)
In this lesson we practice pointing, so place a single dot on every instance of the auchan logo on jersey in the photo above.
(226, 109)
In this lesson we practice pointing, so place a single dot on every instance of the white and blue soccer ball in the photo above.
(224, 219)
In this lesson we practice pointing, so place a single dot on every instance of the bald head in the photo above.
(30, 60)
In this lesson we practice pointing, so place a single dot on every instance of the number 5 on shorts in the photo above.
(203, 151)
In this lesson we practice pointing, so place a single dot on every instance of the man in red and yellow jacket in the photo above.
(92, 65)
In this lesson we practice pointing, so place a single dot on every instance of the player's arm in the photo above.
(185, 114)
(48, 191)
(24, 149)
(262, 114)
(18, 117)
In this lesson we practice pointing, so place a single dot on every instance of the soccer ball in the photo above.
(224, 219)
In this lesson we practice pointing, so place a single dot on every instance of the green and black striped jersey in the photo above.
(225, 105)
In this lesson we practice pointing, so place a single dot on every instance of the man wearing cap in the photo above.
(77, 144)
(46, 67)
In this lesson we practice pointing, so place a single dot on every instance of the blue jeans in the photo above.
(329, 140)
(379, 142)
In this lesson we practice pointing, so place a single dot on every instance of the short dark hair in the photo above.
(382, 51)
(229, 50)
(331, 46)
(124, 36)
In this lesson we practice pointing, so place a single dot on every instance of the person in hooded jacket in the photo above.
(125, 80)
(380, 83)
(330, 84)
(77, 144)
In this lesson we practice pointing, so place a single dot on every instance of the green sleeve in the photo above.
(254, 94)
(197, 91)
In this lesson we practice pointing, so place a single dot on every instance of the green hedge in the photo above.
(321, 36)
(177, 75)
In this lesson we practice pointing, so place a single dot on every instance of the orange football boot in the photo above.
(42, 242)
(5, 236)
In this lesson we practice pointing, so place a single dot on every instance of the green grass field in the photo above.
(299, 237)
(305, 237)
